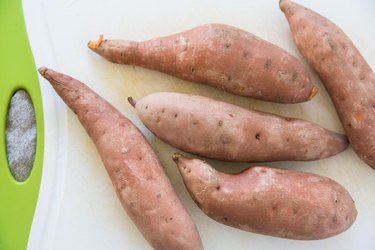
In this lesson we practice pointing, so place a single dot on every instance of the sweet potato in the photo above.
(136, 173)
(223, 131)
(270, 201)
(346, 75)
(219, 55)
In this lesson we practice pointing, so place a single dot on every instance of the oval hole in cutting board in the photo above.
(20, 135)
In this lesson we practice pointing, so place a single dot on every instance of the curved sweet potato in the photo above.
(223, 131)
(346, 75)
(219, 55)
(136, 173)
(270, 201)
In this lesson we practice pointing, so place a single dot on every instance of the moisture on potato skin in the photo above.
(221, 56)
(136, 173)
(348, 78)
(281, 203)
(223, 131)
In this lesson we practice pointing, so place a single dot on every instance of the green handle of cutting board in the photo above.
(17, 71)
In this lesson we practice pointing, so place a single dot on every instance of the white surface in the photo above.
(78, 208)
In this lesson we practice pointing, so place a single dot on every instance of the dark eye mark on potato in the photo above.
(257, 136)
(331, 44)
(267, 64)
(245, 54)
(221, 122)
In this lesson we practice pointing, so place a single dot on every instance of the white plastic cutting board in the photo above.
(77, 206)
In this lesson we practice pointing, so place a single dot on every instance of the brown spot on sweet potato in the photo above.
(158, 119)
(158, 195)
(229, 78)
(274, 207)
(225, 139)
(163, 110)
(358, 117)
(225, 219)
(245, 54)
(331, 44)
(267, 64)
(218, 187)
(188, 171)
(231, 115)
(362, 78)
(263, 171)
(257, 136)
(146, 107)
(195, 122)
(227, 45)
(175, 115)
(221, 122)
(140, 158)
(192, 70)
(294, 77)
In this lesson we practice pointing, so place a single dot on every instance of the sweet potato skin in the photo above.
(136, 173)
(224, 131)
(346, 75)
(222, 56)
(281, 203)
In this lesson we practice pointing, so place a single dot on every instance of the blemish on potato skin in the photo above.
(220, 123)
(358, 117)
(175, 115)
(331, 44)
(245, 54)
(267, 64)
(225, 139)
(257, 136)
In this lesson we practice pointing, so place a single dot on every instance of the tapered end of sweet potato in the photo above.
(284, 4)
(314, 91)
(176, 157)
(43, 71)
(132, 101)
(95, 44)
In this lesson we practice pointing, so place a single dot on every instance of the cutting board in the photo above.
(78, 208)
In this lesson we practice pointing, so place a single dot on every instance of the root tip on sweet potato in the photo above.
(282, 4)
(176, 156)
(43, 72)
(132, 101)
(95, 44)
(313, 93)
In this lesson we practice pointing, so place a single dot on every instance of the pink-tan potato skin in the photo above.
(138, 177)
(224, 131)
(222, 56)
(348, 78)
(275, 202)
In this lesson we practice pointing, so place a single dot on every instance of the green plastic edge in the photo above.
(17, 71)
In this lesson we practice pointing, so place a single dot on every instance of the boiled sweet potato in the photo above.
(348, 78)
(219, 55)
(270, 201)
(136, 173)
